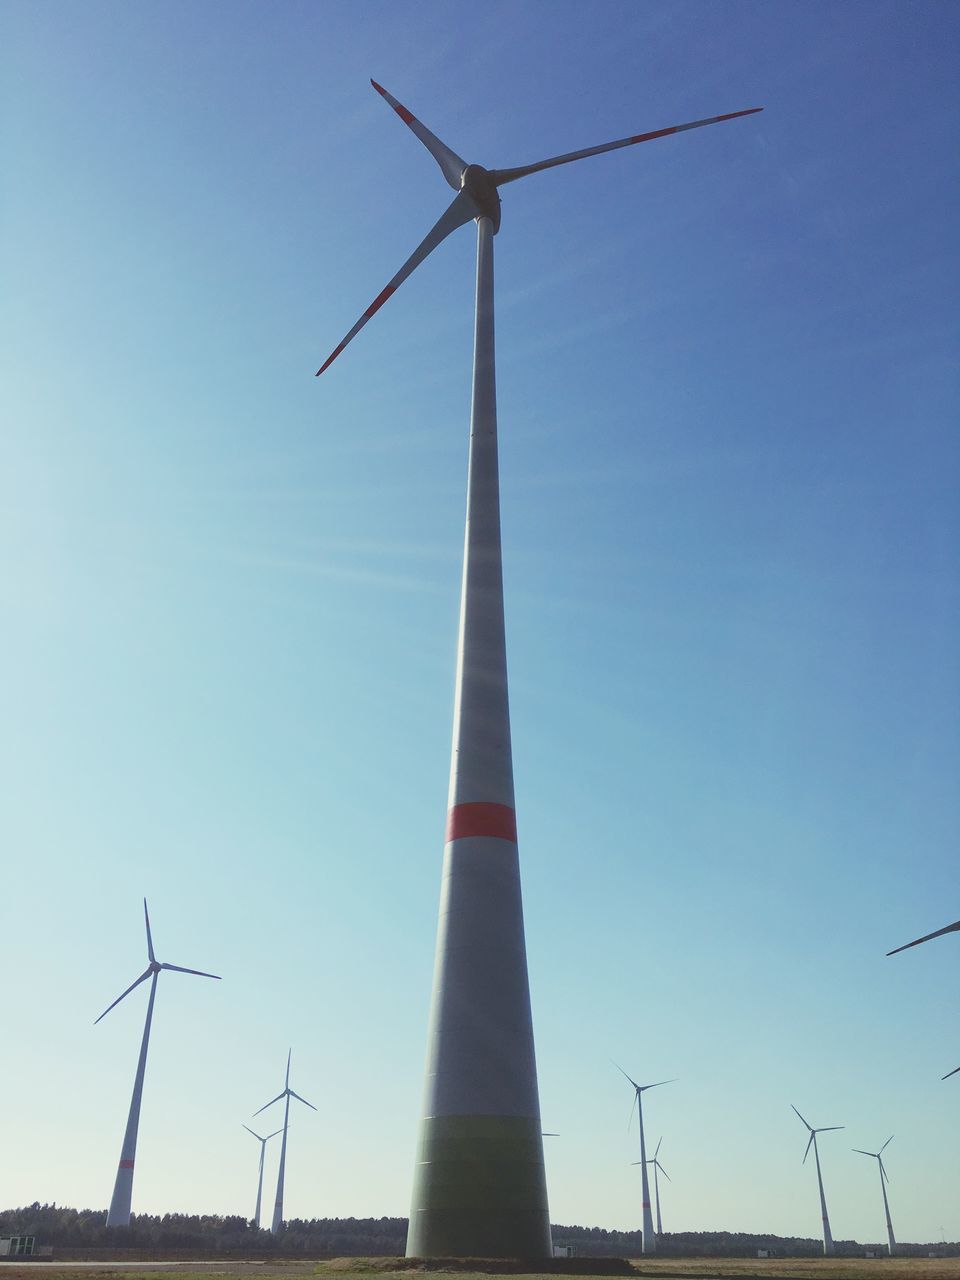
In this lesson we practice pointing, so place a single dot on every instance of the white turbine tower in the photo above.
(878, 1156)
(649, 1239)
(479, 1187)
(657, 1169)
(937, 933)
(263, 1149)
(287, 1093)
(827, 1237)
(118, 1215)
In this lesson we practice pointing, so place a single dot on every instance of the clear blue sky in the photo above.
(728, 402)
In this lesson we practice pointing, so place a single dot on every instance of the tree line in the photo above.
(84, 1232)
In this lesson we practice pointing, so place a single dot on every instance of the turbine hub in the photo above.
(478, 184)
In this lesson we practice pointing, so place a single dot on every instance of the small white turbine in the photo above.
(263, 1148)
(827, 1237)
(657, 1168)
(286, 1094)
(649, 1239)
(118, 1215)
(937, 933)
(878, 1156)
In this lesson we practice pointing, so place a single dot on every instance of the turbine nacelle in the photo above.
(480, 186)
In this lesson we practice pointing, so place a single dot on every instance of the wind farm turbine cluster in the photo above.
(479, 1183)
(119, 1212)
(118, 1215)
(650, 1235)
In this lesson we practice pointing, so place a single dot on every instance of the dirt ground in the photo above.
(401, 1269)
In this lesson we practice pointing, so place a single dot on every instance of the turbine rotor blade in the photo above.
(146, 917)
(882, 1169)
(286, 1083)
(950, 1073)
(809, 1126)
(809, 1145)
(658, 1084)
(830, 1128)
(272, 1135)
(872, 1154)
(460, 212)
(657, 1152)
(451, 166)
(303, 1100)
(270, 1103)
(937, 933)
(624, 1074)
(886, 1144)
(256, 1135)
(143, 977)
(502, 176)
(663, 1171)
(197, 972)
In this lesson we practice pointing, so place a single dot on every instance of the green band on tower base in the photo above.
(480, 1189)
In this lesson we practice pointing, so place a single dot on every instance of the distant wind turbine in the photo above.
(878, 1156)
(118, 1215)
(649, 1239)
(657, 1167)
(479, 1187)
(263, 1148)
(827, 1237)
(287, 1094)
(937, 933)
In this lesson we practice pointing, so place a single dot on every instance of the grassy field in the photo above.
(393, 1269)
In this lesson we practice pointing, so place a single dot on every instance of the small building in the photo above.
(17, 1246)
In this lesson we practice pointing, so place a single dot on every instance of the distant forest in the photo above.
(81, 1232)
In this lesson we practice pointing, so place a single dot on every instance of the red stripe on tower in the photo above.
(482, 819)
(126, 1164)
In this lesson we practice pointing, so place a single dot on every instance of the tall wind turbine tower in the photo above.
(287, 1093)
(878, 1156)
(649, 1239)
(479, 1185)
(812, 1141)
(263, 1149)
(118, 1215)
(937, 933)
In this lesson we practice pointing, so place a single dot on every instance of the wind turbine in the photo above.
(657, 1168)
(649, 1239)
(827, 1237)
(479, 1187)
(118, 1215)
(937, 933)
(263, 1149)
(287, 1093)
(878, 1156)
